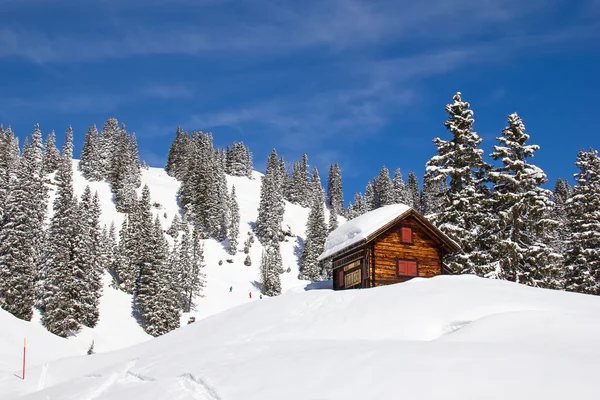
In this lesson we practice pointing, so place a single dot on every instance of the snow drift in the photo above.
(451, 337)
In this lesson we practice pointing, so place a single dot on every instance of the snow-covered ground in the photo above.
(450, 337)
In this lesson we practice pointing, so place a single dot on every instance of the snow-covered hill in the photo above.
(450, 337)
(117, 328)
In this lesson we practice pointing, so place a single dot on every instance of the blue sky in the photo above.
(359, 82)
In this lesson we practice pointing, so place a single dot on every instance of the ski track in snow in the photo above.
(197, 388)
(113, 379)
(42, 381)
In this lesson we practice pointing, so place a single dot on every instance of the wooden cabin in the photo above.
(388, 245)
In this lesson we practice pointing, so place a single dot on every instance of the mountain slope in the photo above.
(451, 337)
(117, 328)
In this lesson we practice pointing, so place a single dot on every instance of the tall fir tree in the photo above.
(88, 257)
(521, 232)
(335, 196)
(269, 272)
(9, 162)
(432, 197)
(384, 189)
(51, 154)
(316, 233)
(22, 226)
(271, 207)
(91, 162)
(463, 214)
(63, 277)
(561, 194)
(414, 194)
(400, 190)
(233, 231)
(582, 258)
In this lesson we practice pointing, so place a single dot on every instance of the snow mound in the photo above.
(451, 337)
(361, 227)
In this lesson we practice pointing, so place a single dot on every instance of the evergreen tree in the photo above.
(63, 276)
(561, 194)
(175, 227)
(414, 195)
(384, 189)
(520, 249)
(22, 224)
(51, 154)
(582, 257)
(333, 220)
(464, 211)
(109, 145)
(400, 190)
(179, 155)
(335, 197)
(270, 271)
(90, 165)
(271, 207)
(316, 234)
(238, 160)
(432, 197)
(233, 231)
(156, 296)
(299, 186)
(191, 263)
(9, 161)
(371, 201)
(88, 257)
(359, 207)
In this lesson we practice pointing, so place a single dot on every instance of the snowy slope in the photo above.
(450, 337)
(118, 329)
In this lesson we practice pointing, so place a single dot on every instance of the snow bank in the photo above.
(451, 337)
(360, 228)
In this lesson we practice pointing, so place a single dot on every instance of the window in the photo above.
(406, 235)
(340, 281)
(407, 268)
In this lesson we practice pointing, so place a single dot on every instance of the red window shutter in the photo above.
(407, 235)
(411, 267)
(402, 267)
(341, 278)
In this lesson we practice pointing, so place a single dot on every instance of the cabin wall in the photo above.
(388, 248)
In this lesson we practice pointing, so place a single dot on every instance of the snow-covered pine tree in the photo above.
(91, 163)
(316, 233)
(21, 228)
(88, 258)
(299, 186)
(400, 190)
(371, 201)
(520, 250)
(432, 197)
(62, 276)
(233, 231)
(271, 207)
(238, 160)
(194, 278)
(384, 189)
(108, 146)
(175, 227)
(333, 220)
(335, 196)
(176, 159)
(269, 272)
(562, 192)
(156, 297)
(414, 194)
(121, 175)
(51, 154)
(582, 258)
(461, 160)
(134, 161)
(358, 207)
(9, 162)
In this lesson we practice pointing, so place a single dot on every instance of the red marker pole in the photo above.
(24, 354)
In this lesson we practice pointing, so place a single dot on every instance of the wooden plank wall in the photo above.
(388, 248)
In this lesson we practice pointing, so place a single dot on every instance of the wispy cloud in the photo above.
(274, 28)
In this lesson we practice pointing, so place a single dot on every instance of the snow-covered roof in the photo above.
(360, 228)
